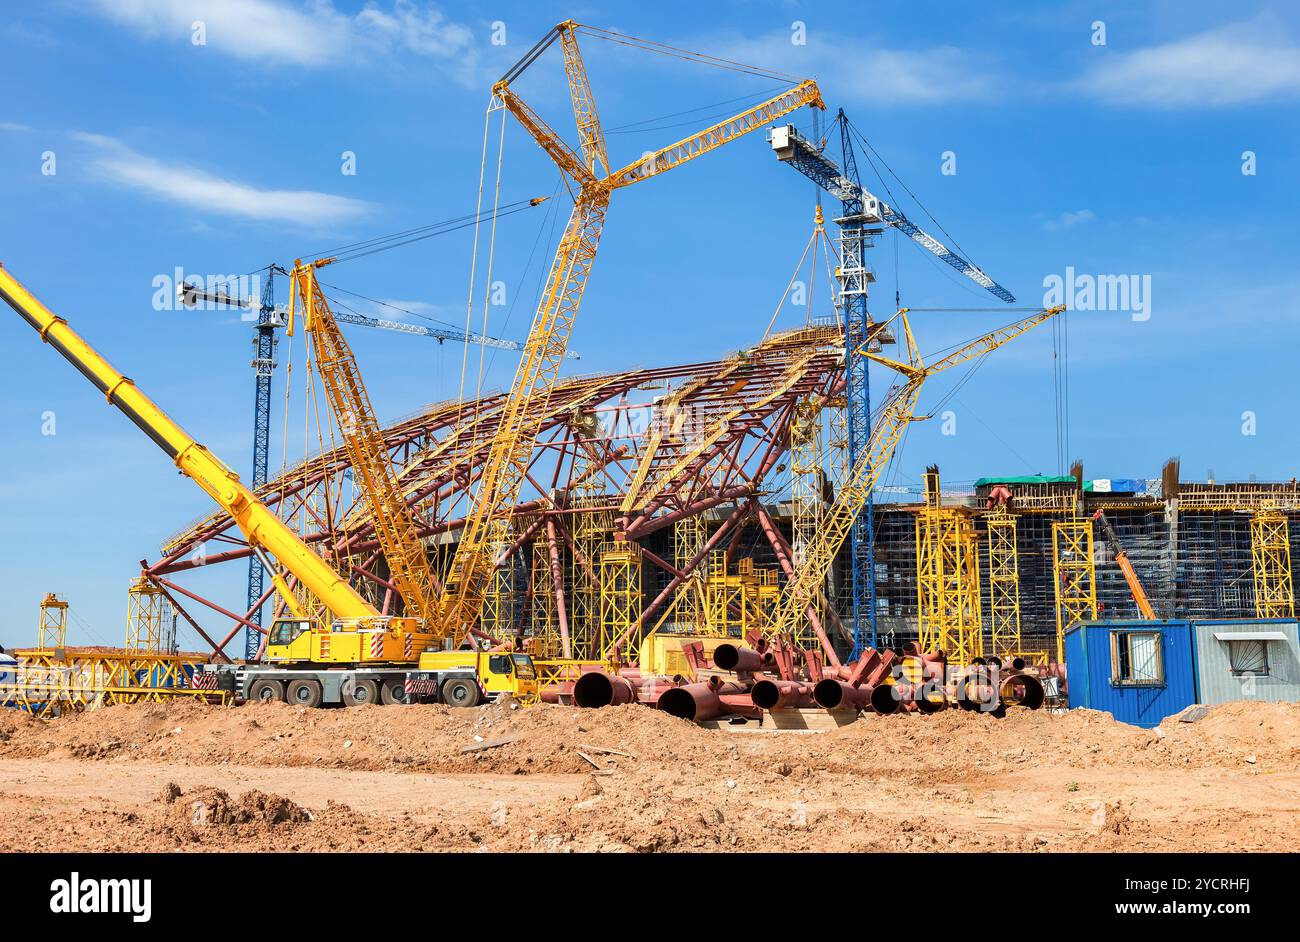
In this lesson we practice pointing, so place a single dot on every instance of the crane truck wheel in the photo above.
(305, 693)
(358, 692)
(460, 692)
(392, 691)
(266, 690)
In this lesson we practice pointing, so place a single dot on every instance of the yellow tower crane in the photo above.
(587, 169)
(896, 412)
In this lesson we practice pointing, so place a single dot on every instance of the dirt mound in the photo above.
(433, 738)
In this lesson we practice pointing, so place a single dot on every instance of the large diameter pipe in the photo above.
(1024, 690)
(884, 699)
(775, 694)
(694, 702)
(831, 694)
(731, 657)
(597, 689)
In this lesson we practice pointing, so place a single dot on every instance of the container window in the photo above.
(1135, 659)
(1248, 658)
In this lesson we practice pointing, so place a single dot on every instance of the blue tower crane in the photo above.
(864, 216)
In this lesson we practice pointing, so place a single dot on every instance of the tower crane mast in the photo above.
(864, 216)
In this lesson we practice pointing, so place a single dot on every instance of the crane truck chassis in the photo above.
(455, 678)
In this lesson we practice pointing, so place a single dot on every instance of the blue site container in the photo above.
(1137, 671)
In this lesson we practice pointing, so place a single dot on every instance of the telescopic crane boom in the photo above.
(266, 533)
(1126, 567)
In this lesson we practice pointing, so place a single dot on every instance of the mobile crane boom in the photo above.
(1126, 567)
(263, 529)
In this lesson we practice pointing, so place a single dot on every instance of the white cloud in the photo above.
(14, 127)
(296, 33)
(1231, 65)
(857, 69)
(198, 189)
(1069, 220)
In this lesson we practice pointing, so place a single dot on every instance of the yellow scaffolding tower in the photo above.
(52, 629)
(1004, 584)
(949, 605)
(545, 627)
(1270, 550)
(689, 536)
(1075, 576)
(500, 608)
(590, 531)
(620, 594)
(150, 620)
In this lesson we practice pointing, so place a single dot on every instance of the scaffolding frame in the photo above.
(949, 596)
(1270, 544)
(1004, 584)
(150, 619)
(1075, 576)
(52, 626)
(620, 596)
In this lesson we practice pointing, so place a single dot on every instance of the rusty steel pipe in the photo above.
(704, 701)
(597, 689)
(884, 699)
(694, 702)
(731, 657)
(1022, 689)
(774, 694)
(830, 694)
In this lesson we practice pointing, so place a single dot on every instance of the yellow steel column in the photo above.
(1270, 550)
(52, 629)
(1075, 576)
(1004, 584)
(620, 594)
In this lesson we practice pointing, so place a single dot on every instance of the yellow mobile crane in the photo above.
(360, 655)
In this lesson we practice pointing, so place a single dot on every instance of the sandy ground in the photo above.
(187, 777)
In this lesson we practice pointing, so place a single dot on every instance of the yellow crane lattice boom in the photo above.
(510, 451)
(395, 529)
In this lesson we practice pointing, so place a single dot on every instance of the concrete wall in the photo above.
(1216, 682)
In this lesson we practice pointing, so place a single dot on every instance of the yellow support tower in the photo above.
(949, 607)
(590, 531)
(546, 634)
(1075, 576)
(52, 629)
(1004, 584)
(620, 594)
(1270, 550)
(150, 621)
(689, 536)
(500, 609)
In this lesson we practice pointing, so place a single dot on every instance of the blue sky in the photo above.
(1122, 158)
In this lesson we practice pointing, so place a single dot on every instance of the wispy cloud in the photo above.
(1069, 220)
(198, 189)
(14, 127)
(860, 69)
(294, 33)
(1238, 64)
